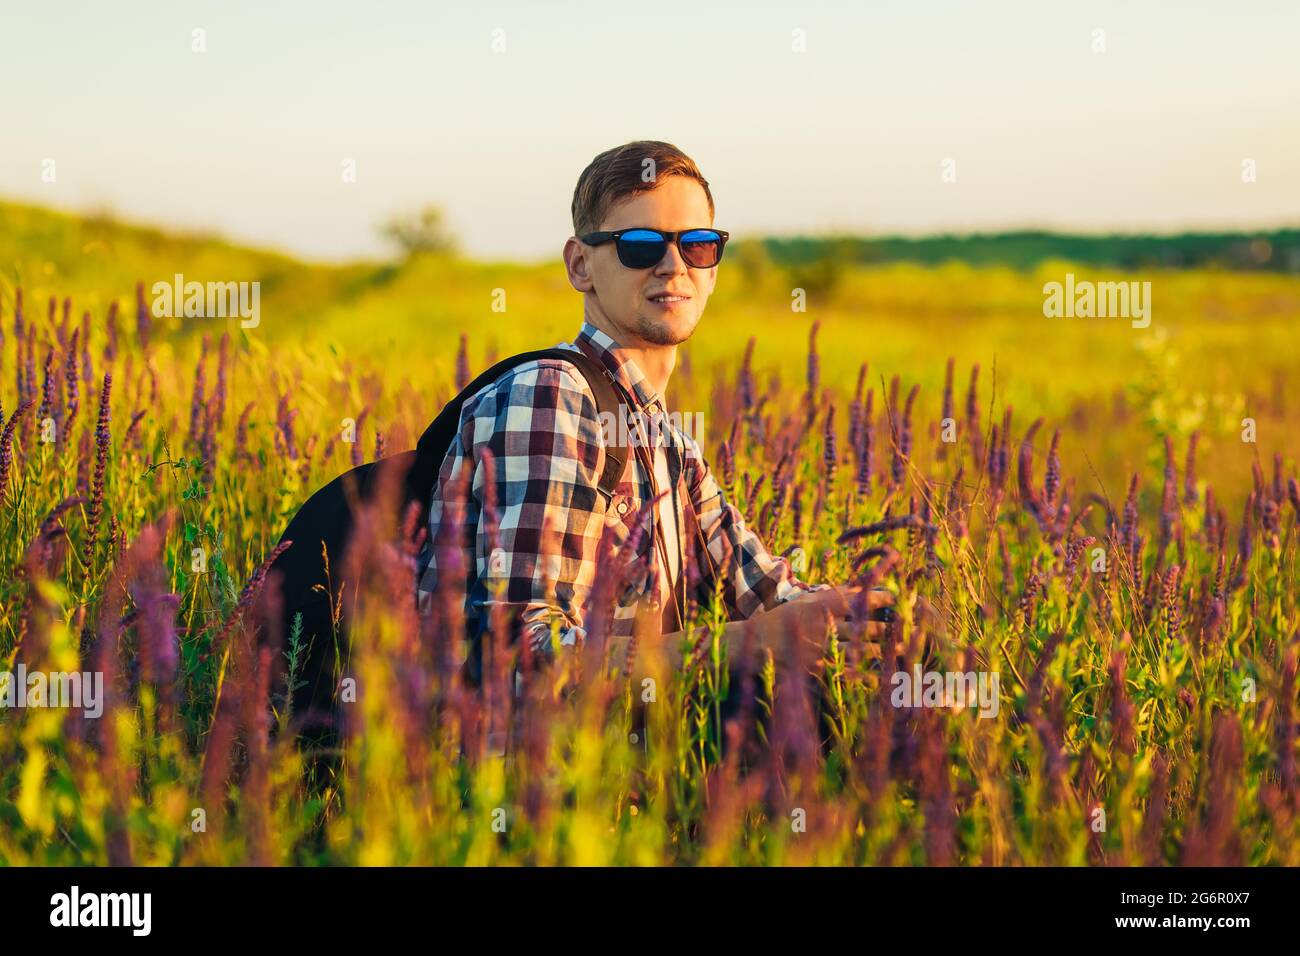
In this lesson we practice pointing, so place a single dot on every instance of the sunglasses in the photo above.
(645, 248)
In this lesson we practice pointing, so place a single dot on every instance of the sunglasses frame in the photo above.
(600, 238)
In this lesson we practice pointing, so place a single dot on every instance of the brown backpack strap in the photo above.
(609, 402)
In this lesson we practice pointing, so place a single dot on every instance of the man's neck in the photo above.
(656, 362)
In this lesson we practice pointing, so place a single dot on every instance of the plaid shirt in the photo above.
(540, 422)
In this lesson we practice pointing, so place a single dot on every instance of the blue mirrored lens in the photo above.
(641, 248)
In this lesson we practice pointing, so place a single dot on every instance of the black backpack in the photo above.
(326, 519)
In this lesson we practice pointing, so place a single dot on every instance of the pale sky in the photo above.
(249, 138)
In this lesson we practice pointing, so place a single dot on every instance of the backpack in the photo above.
(326, 519)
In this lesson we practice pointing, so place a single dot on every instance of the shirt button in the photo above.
(622, 506)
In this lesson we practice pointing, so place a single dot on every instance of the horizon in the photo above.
(113, 218)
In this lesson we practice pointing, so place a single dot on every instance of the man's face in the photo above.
(635, 302)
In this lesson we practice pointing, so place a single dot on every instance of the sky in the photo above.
(491, 111)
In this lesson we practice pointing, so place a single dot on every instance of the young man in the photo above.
(644, 256)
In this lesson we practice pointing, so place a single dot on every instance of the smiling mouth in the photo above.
(666, 299)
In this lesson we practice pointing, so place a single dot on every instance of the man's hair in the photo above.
(625, 171)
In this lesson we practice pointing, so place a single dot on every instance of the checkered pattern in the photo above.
(540, 423)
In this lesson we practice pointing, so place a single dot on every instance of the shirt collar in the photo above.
(624, 369)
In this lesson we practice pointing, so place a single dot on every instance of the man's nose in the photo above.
(672, 263)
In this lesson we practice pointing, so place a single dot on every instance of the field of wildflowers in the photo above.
(1106, 518)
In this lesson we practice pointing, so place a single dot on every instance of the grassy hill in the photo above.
(977, 299)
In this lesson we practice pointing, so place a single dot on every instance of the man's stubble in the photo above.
(662, 333)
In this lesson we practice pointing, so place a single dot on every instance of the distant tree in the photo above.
(750, 257)
(822, 276)
(425, 231)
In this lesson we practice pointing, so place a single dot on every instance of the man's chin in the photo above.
(659, 331)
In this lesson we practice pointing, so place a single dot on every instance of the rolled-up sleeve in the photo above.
(537, 559)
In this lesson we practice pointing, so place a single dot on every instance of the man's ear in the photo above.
(577, 265)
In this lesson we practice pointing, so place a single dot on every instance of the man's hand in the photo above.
(809, 614)
(807, 617)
